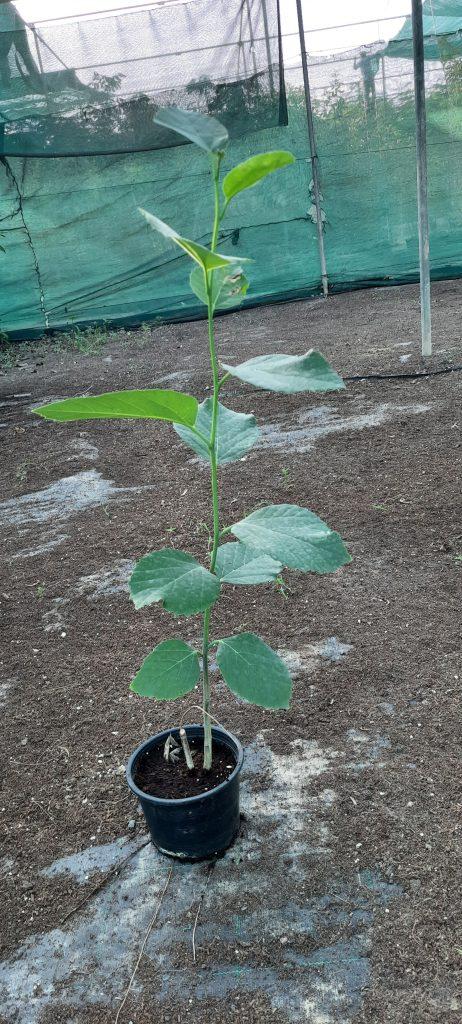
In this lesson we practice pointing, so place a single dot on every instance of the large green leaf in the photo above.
(236, 433)
(205, 131)
(293, 536)
(250, 172)
(150, 405)
(206, 259)
(176, 579)
(288, 374)
(229, 286)
(171, 670)
(237, 564)
(253, 671)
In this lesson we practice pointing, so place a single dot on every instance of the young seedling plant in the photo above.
(268, 539)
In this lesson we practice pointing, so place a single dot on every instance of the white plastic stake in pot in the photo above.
(186, 749)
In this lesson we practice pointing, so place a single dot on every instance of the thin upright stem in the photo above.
(206, 688)
(217, 215)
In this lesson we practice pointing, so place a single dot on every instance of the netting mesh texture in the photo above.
(74, 88)
(77, 251)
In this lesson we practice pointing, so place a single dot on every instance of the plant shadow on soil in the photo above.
(339, 901)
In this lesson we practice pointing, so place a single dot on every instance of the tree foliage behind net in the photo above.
(74, 88)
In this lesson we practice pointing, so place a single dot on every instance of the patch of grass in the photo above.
(87, 340)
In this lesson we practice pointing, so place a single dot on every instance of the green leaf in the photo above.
(236, 433)
(175, 578)
(205, 131)
(229, 286)
(150, 405)
(250, 172)
(204, 257)
(253, 671)
(293, 536)
(237, 564)
(288, 374)
(171, 670)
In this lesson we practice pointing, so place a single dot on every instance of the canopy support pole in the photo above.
(40, 64)
(313, 151)
(268, 48)
(422, 179)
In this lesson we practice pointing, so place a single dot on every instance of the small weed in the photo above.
(146, 330)
(8, 352)
(281, 587)
(88, 340)
(204, 528)
(22, 472)
(40, 591)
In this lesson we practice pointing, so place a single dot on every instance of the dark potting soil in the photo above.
(173, 780)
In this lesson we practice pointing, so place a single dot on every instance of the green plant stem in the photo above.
(217, 216)
(206, 688)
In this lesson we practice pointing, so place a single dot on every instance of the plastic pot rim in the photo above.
(156, 740)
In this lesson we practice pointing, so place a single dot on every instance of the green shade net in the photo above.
(442, 28)
(76, 249)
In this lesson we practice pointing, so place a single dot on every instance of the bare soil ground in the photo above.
(340, 902)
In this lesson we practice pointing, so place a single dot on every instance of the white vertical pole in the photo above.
(422, 180)
(313, 150)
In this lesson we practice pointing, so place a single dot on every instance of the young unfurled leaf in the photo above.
(175, 578)
(288, 374)
(237, 564)
(251, 171)
(206, 259)
(236, 433)
(228, 286)
(294, 536)
(205, 131)
(171, 670)
(151, 405)
(252, 670)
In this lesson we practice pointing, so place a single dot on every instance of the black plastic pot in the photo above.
(195, 827)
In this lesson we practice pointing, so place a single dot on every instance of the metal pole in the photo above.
(40, 63)
(252, 38)
(268, 48)
(422, 181)
(313, 150)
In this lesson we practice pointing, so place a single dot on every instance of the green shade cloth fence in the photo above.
(77, 251)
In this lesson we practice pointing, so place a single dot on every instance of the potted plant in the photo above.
(187, 780)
